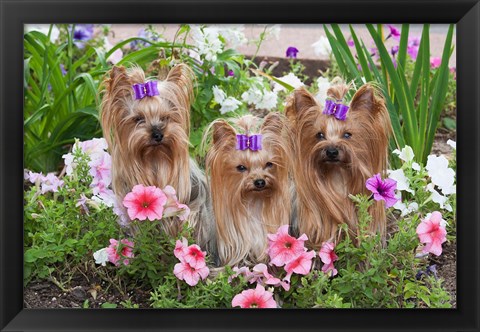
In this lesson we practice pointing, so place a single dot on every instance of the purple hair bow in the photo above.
(149, 89)
(253, 142)
(339, 111)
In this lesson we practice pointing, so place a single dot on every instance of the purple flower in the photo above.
(230, 73)
(431, 270)
(137, 44)
(394, 50)
(394, 32)
(350, 42)
(292, 52)
(412, 47)
(62, 68)
(383, 190)
(82, 34)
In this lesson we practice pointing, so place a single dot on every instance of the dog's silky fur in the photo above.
(322, 184)
(137, 158)
(243, 213)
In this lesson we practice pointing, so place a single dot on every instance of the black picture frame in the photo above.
(14, 14)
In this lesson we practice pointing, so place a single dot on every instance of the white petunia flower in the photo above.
(323, 86)
(453, 144)
(268, 101)
(218, 94)
(415, 166)
(101, 256)
(290, 79)
(207, 41)
(233, 34)
(399, 205)
(438, 198)
(440, 174)
(262, 99)
(322, 47)
(252, 96)
(402, 182)
(230, 104)
(406, 154)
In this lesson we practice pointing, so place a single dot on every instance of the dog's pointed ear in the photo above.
(273, 122)
(364, 99)
(182, 76)
(298, 102)
(221, 131)
(118, 78)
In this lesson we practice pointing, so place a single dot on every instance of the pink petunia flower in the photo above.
(180, 247)
(300, 265)
(254, 298)
(194, 256)
(328, 256)
(100, 169)
(261, 276)
(394, 32)
(191, 275)
(145, 203)
(118, 252)
(413, 46)
(51, 183)
(382, 190)
(435, 62)
(282, 247)
(173, 207)
(432, 232)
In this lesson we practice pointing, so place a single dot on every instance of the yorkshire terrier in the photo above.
(248, 164)
(337, 149)
(146, 124)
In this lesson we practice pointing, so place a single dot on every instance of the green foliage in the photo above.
(414, 105)
(59, 234)
(212, 293)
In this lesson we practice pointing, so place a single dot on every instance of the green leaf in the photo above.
(450, 123)
(275, 79)
(108, 305)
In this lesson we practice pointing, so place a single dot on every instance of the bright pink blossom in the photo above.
(194, 256)
(300, 265)
(173, 207)
(180, 247)
(254, 298)
(117, 252)
(432, 232)
(145, 202)
(382, 190)
(435, 62)
(328, 256)
(394, 32)
(282, 247)
(191, 275)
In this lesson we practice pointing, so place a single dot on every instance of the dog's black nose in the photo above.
(157, 134)
(332, 153)
(259, 183)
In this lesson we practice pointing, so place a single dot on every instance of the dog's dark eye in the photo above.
(139, 119)
(164, 119)
(268, 165)
(241, 168)
(347, 135)
(320, 136)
